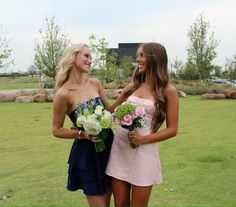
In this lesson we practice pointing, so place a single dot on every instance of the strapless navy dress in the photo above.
(86, 166)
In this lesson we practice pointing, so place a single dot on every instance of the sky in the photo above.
(118, 21)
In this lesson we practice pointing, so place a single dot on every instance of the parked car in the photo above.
(219, 80)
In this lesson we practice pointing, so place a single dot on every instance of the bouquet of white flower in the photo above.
(94, 119)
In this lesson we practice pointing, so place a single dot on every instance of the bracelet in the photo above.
(80, 131)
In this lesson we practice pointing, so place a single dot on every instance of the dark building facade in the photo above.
(125, 49)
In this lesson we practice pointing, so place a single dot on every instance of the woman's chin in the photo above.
(86, 70)
(141, 70)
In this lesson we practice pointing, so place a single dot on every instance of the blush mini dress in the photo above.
(140, 166)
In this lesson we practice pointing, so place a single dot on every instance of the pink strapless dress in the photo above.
(140, 166)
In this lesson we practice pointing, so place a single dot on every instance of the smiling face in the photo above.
(141, 60)
(83, 60)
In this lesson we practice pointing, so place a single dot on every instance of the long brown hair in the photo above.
(156, 75)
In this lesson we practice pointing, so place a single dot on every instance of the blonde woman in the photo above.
(134, 171)
(86, 166)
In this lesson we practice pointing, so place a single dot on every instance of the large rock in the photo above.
(24, 99)
(39, 98)
(113, 93)
(50, 97)
(233, 95)
(213, 96)
(11, 95)
(7, 96)
(181, 94)
(227, 93)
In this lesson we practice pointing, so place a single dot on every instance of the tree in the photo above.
(111, 67)
(216, 71)
(32, 70)
(49, 51)
(175, 66)
(188, 72)
(5, 51)
(201, 50)
(231, 67)
(102, 59)
(125, 65)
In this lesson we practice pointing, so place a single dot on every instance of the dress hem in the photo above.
(127, 180)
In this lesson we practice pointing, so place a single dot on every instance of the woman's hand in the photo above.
(73, 127)
(81, 133)
(135, 138)
(84, 135)
(94, 138)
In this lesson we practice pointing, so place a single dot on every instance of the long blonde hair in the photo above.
(157, 76)
(66, 63)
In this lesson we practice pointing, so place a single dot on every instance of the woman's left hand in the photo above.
(135, 137)
(94, 138)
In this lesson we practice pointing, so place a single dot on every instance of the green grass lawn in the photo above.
(22, 82)
(7, 86)
(198, 165)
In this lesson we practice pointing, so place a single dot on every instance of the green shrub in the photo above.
(50, 84)
(199, 88)
(111, 85)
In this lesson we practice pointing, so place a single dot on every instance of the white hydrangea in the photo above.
(92, 116)
(98, 112)
(92, 126)
(107, 114)
(80, 120)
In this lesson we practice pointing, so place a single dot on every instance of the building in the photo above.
(125, 49)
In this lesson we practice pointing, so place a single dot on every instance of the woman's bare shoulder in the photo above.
(62, 92)
(171, 90)
(94, 81)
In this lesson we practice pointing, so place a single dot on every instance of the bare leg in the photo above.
(140, 195)
(108, 197)
(96, 200)
(121, 191)
(100, 200)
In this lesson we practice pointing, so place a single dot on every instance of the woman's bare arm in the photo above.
(59, 114)
(171, 121)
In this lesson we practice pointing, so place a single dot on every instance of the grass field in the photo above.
(198, 165)
(22, 82)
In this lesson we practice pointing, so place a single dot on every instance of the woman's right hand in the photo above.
(84, 135)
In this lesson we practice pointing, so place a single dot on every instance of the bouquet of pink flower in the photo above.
(130, 116)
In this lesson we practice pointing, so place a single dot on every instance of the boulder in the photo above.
(24, 99)
(227, 93)
(39, 98)
(113, 93)
(11, 95)
(7, 96)
(181, 94)
(213, 96)
(50, 97)
(233, 95)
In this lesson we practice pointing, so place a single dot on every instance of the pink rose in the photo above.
(127, 120)
(134, 115)
(125, 123)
